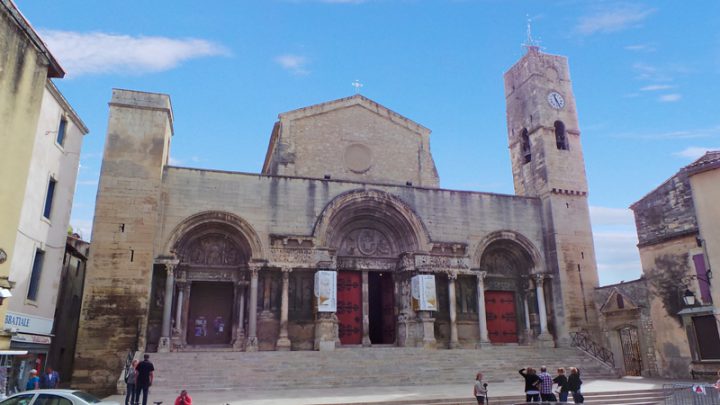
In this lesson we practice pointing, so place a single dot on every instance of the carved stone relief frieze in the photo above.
(213, 250)
(366, 242)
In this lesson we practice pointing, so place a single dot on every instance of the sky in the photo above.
(645, 75)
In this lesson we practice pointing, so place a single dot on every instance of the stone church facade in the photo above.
(187, 259)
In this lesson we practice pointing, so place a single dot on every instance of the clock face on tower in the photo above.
(556, 100)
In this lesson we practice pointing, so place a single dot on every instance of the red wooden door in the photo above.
(501, 316)
(349, 307)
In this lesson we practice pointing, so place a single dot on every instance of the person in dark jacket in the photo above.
(532, 384)
(561, 381)
(573, 385)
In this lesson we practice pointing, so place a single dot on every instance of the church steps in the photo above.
(360, 367)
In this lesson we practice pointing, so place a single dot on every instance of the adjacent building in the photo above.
(42, 137)
(678, 226)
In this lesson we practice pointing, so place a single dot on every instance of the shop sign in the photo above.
(326, 291)
(35, 339)
(27, 323)
(423, 293)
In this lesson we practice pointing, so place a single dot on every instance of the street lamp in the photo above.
(689, 298)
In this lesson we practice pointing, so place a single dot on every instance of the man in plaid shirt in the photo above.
(546, 384)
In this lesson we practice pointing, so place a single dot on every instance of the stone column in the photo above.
(454, 344)
(185, 312)
(239, 334)
(542, 312)
(178, 308)
(482, 315)
(365, 310)
(528, 327)
(252, 343)
(164, 344)
(283, 342)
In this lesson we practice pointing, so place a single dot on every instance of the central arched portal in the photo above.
(369, 233)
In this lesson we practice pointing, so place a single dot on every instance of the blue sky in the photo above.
(645, 77)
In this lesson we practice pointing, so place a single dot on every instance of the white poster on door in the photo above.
(423, 293)
(326, 291)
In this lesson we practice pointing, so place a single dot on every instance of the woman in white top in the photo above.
(480, 389)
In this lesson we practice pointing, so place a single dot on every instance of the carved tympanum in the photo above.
(213, 250)
(366, 242)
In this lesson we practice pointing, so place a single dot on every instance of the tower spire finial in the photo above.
(530, 43)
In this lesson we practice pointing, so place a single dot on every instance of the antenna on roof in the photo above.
(357, 86)
(530, 43)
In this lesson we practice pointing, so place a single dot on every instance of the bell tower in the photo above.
(547, 162)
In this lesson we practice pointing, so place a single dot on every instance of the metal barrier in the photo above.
(691, 394)
(582, 341)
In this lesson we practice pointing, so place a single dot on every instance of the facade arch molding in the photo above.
(516, 242)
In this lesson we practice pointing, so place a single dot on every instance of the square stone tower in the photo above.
(547, 162)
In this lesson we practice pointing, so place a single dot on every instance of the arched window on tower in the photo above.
(525, 144)
(560, 136)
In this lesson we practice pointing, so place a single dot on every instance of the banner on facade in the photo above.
(326, 291)
(19, 322)
(423, 293)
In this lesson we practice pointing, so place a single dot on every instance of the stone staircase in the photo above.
(360, 367)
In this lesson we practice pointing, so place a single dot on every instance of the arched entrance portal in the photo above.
(212, 269)
(509, 305)
(369, 231)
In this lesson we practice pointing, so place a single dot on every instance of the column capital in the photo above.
(452, 275)
(481, 276)
(286, 269)
(539, 279)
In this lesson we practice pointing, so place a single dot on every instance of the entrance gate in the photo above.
(382, 308)
(631, 350)
(210, 317)
(501, 316)
(349, 307)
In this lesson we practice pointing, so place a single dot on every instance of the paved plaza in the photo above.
(378, 395)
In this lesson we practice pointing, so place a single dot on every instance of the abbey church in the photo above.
(344, 239)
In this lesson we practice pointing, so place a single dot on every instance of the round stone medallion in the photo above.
(358, 158)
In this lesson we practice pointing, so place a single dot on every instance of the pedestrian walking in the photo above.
(546, 384)
(51, 378)
(574, 385)
(183, 399)
(532, 384)
(130, 376)
(561, 381)
(143, 379)
(479, 390)
(33, 382)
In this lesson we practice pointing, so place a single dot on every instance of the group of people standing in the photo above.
(539, 387)
(50, 379)
(139, 378)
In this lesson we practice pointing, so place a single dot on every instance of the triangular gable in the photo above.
(612, 303)
(356, 100)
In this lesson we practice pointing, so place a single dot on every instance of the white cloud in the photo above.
(670, 98)
(98, 52)
(656, 87)
(604, 216)
(617, 256)
(293, 63)
(640, 48)
(613, 20)
(711, 132)
(175, 161)
(82, 227)
(694, 152)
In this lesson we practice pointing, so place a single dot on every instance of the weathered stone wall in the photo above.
(118, 278)
(706, 195)
(666, 212)
(664, 265)
(352, 139)
(293, 206)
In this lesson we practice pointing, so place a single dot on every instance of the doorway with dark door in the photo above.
(381, 303)
(631, 350)
(349, 307)
(210, 315)
(501, 316)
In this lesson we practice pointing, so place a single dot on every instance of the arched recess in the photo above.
(511, 304)
(519, 249)
(205, 224)
(392, 219)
